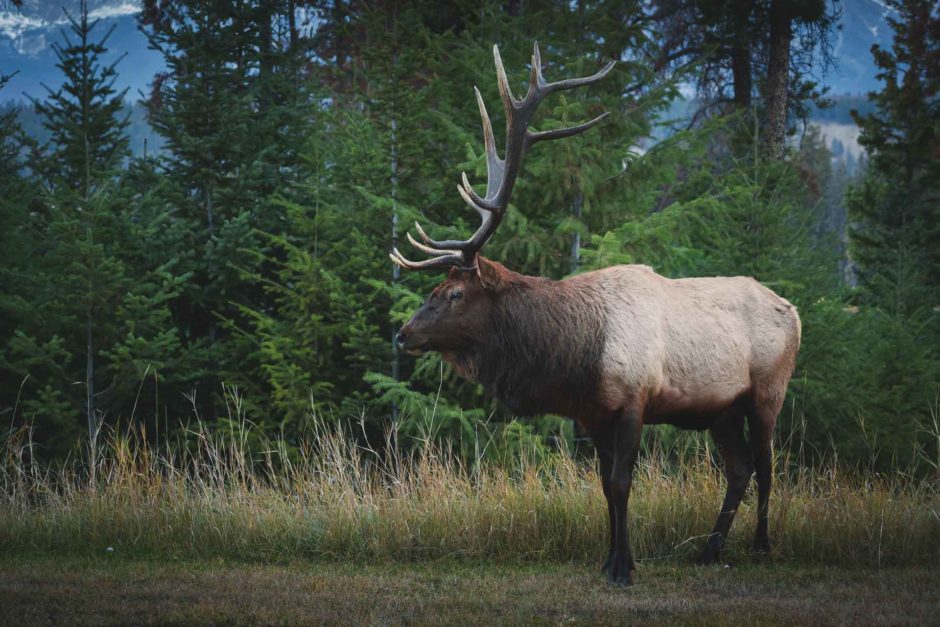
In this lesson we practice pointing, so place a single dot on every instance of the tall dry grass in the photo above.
(333, 498)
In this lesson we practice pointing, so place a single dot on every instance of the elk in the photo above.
(613, 349)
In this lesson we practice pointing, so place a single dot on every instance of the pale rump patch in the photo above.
(692, 346)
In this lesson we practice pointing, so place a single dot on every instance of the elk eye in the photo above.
(456, 295)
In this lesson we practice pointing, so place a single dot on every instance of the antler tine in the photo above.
(433, 242)
(428, 249)
(558, 133)
(494, 165)
(571, 83)
(447, 245)
(475, 200)
(434, 262)
(535, 78)
(466, 247)
(503, 83)
(501, 174)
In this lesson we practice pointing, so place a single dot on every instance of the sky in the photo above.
(26, 35)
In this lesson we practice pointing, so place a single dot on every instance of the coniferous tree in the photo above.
(895, 237)
(767, 54)
(69, 291)
(83, 116)
(16, 239)
(85, 309)
(897, 206)
(232, 109)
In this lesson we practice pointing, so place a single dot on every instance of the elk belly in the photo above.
(692, 409)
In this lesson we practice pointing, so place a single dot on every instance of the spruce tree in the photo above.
(895, 238)
(83, 116)
(68, 292)
(896, 207)
(16, 238)
(232, 109)
(87, 308)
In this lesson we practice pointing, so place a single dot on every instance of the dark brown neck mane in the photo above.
(542, 349)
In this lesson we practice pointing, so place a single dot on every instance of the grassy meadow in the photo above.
(335, 531)
(334, 499)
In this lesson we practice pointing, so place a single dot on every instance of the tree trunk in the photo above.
(578, 195)
(210, 272)
(292, 22)
(741, 56)
(582, 439)
(266, 44)
(339, 20)
(210, 217)
(576, 244)
(90, 377)
(778, 72)
(210, 223)
(396, 271)
(741, 71)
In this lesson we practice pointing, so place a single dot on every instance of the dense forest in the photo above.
(242, 271)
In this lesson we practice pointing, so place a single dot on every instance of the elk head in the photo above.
(457, 311)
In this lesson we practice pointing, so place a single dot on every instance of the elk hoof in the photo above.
(620, 572)
(762, 546)
(622, 578)
(711, 552)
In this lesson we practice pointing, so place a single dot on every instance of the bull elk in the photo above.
(613, 349)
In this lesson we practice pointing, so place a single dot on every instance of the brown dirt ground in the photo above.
(118, 591)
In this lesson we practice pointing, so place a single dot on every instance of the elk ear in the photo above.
(490, 274)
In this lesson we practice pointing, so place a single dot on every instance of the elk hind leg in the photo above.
(728, 433)
(761, 420)
(603, 445)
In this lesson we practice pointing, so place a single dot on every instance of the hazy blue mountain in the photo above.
(863, 24)
(140, 135)
(26, 36)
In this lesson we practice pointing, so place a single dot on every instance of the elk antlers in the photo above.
(500, 173)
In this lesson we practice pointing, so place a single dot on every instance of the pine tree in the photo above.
(84, 115)
(897, 206)
(88, 306)
(232, 108)
(63, 308)
(747, 55)
(895, 237)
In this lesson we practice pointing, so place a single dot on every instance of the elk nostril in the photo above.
(401, 337)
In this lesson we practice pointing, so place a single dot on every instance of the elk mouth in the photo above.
(407, 343)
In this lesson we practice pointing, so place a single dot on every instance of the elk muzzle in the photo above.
(409, 341)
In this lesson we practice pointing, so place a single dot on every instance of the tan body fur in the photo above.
(691, 347)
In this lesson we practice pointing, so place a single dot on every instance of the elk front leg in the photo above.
(624, 447)
(603, 444)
